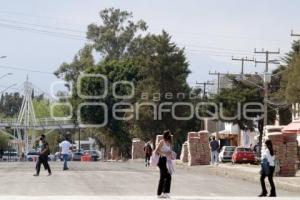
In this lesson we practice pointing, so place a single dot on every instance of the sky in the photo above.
(37, 36)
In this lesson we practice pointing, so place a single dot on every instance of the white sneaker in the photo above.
(167, 195)
(162, 196)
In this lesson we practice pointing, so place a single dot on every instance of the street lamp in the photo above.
(3, 56)
(7, 74)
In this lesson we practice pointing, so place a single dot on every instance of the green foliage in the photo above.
(81, 61)
(240, 93)
(163, 71)
(10, 104)
(115, 35)
(152, 62)
(290, 82)
(4, 139)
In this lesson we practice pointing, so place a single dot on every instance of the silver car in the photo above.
(226, 153)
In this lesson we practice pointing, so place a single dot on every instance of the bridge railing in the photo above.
(39, 122)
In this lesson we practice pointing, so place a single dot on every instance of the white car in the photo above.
(10, 156)
(32, 156)
(226, 153)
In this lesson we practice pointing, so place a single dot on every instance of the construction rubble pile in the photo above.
(137, 148)
(195, 150)
(285, 147)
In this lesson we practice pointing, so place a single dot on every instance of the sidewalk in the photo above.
(251, 173)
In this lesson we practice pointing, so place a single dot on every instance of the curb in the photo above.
(252, 177)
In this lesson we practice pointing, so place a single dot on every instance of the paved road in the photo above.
(120, 179)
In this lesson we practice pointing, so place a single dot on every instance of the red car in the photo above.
(243, 155)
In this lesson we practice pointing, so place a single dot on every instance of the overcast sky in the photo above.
(212, 31)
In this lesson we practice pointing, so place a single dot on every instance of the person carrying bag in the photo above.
(267, 169)
(165, 164)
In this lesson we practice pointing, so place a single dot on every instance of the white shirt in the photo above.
(266, 154)
(65, 147)
(165, 148)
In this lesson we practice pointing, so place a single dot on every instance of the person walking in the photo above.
(64, 151)
(268, 168)
(43, 156)
(214, 148)
(148, 153)
(164, 150)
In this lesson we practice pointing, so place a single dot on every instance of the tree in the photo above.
(242, 93)
(116, 132)
(10, 104)
(4, 139)
(152, 62)
(70, 71)
(114, 37)
(163, 71)
(290, 84)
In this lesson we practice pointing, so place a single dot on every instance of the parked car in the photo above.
(243, 155)
(32, 156)
(95, 155)
(226, 153)
(10, 156)
(77, 156)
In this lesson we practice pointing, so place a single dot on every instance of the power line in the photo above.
(205, 84)
(45, 32)
(266, 84)
(24, 69)
(243, 60)
(42, 26)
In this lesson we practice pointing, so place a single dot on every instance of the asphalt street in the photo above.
(121, 179)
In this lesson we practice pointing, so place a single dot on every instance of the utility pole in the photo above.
(218, 74)
(205, 84)
(243, 60)
(266, 87)
(294, 34)
(296, 106)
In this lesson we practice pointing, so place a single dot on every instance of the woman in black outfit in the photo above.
(267, 159)
(165, 151)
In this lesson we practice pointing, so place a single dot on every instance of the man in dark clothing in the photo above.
(43, 157)
(148, 153)
(214, 148)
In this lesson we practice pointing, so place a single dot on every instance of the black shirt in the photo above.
(214, 145)
(45, 151)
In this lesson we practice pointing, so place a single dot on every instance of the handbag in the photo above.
(265, 167)
(154, 159)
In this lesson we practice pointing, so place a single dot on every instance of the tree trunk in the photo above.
(261, 132)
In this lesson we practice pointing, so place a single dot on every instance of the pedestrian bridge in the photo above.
(41, 124)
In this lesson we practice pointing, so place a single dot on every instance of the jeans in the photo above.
(270, 177)
(164, 185)
(214, 155)
(65, 157)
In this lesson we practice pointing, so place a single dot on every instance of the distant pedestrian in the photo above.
(164, 149)
(43, 156)
(22, 157)
(214, 148)
(256, 149)
(64, 151)
(148, 153)
(267, 169)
